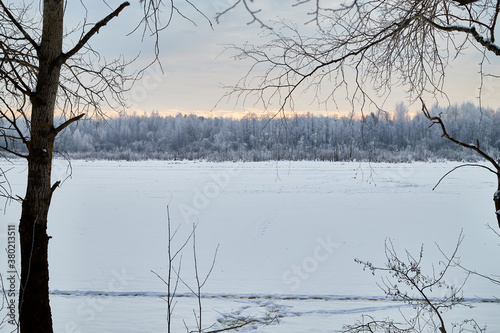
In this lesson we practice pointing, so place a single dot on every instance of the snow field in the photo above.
(283, 229)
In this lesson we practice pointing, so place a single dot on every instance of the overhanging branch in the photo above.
(95, 29)
(67, 123)
(461, 166)
(487, 43)
(476, 148)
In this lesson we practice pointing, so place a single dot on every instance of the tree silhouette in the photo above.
(39, 76)
(361, 50)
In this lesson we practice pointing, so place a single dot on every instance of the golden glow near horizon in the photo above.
(252, 114)
(233, 114)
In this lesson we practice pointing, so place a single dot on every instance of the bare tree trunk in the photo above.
(34, 307)
(496, 199)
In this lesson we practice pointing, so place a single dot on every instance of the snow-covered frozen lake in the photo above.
(287, 233)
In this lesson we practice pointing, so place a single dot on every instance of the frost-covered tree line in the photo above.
(382, 136)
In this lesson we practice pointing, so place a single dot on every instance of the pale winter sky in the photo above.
(196, 67)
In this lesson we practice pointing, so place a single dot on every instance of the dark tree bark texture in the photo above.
(34, 308)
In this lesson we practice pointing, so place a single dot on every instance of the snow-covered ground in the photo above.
(287, 233)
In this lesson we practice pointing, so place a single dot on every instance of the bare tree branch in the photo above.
(67, 123)
(95, 29)
(361, 50)
(461, 166)
(19, 26)
(486, 42)
(254, 13)
(404, 275)
(475, 147)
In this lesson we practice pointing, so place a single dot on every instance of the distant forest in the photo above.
(382, 136)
